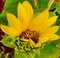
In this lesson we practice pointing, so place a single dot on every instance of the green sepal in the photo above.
(9, 41)
(19, 54)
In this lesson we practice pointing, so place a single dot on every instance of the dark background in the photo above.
(1, 5)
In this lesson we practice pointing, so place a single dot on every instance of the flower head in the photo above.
(36, 30)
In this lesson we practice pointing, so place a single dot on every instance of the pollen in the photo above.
(28, 34)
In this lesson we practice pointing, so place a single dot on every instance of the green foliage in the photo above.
(42, 4)
(52, 14)
(58, 7)
(49, 50)
(53, 6)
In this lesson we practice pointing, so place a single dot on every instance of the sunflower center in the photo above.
(28, 34)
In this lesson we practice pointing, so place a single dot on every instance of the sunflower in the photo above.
(37, 30)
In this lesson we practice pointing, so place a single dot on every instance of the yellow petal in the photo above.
(13, 22)
(22, 15)
(40, 20)
(44, 39)
(9, 31)
(53, 29)
(41, 40)
(51, 36)
(52, 20)
(49, 23)
(23, 39)
(29, 9)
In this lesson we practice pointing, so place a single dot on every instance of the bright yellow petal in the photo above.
(22, 15)
(42, 40)
(41, 19)
(29, 9)
(9, 31)
(13, 22)
(52, 20)
(49, 23)
(51, 36)
(53, 29)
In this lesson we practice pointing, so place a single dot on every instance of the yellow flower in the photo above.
(38, 30)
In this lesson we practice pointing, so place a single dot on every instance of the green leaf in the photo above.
(58, 22)
(58, 32)
(52, 14)
(53, 6)
(8, 41)
(49, 50)
(58, 7)
(3, 18)
(42, 4)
